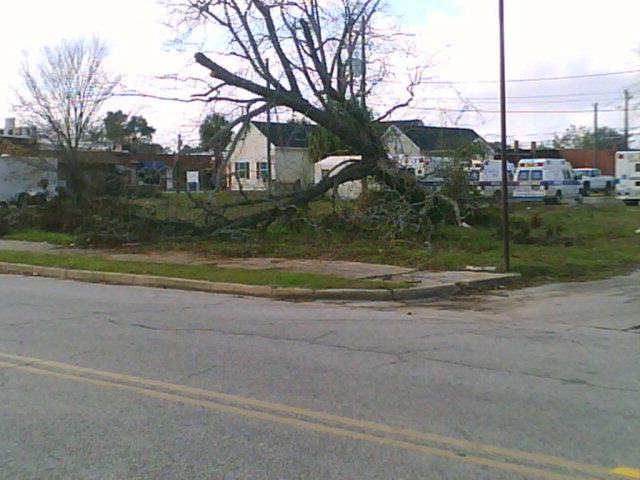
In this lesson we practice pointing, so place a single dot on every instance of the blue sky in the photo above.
(413, 12)
(563, 56)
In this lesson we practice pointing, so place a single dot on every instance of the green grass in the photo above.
(578, 243)
(548, 243)
(276, 278)
(31, 235)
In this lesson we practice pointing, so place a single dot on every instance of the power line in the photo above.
(159, 97)
(540, 79)
(608, 100)
(480, 110)
(557, 95)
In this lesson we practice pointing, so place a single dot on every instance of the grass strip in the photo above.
(276, 278)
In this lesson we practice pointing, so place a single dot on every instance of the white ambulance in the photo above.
(628, 177)
(548, 179)
(427, 170)
(488, 179)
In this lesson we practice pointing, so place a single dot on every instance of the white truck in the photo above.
(27, 180)
(487, 177)
(427, 170)
(594, 181)
(548, 179)
(628, 177)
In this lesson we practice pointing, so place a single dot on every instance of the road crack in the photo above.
(571, 381)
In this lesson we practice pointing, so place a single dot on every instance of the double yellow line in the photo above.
(506, 459)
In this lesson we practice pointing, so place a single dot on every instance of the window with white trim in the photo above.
(241, 169)
(263, 170)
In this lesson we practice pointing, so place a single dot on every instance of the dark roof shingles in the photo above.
(439, 138)
(292, 135)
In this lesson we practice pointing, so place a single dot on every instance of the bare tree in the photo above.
(63, 96)
(319, 58)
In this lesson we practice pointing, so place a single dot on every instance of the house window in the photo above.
(242, 169)
(637, 167)
(263, 170)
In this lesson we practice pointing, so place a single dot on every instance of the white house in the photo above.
(409, 140)
(291, 168)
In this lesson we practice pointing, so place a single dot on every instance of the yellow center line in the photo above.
(302, 424)
(627, 472)
(318, 416)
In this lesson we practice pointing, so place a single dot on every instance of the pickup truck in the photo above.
(593, 181)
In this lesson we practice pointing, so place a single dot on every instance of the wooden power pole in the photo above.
(627, 97)
(595, 135)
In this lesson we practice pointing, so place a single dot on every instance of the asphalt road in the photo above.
(108, 382)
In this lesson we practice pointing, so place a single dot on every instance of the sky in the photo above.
(562, 57)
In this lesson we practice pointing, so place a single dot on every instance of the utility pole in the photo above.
(595, 135)
(363, 65)
(627, 97)
(268, 135)
(503, 143)
(178, 163)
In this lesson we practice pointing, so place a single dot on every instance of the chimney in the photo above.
(534, 145)
(516, 146)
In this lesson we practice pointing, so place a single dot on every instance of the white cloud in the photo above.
(546, 38)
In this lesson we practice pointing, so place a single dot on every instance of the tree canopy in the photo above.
(125, 130)
(583, 138)
(323, 143)
(211, 126)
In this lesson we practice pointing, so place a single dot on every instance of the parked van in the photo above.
(628, 177)
(548, 179)
(488, 179)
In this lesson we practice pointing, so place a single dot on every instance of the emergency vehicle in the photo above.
(488, 179)
(548, 179)
(628, 177)
(427, 170)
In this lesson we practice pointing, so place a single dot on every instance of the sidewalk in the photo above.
(426, 284)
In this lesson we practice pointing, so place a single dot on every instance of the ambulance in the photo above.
(549, 179)
(488, 179)
(628, 177)
(427, 170)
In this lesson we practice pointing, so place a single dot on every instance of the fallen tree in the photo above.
(302, 55)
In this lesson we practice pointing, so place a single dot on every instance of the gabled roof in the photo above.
(438, 138)
(402, 123)
(292, 135)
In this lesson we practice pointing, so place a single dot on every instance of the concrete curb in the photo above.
(412, 293)
(488, 282)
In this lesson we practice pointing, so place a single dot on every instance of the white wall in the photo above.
(399, 144)
(288, 165)
(252, 149)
